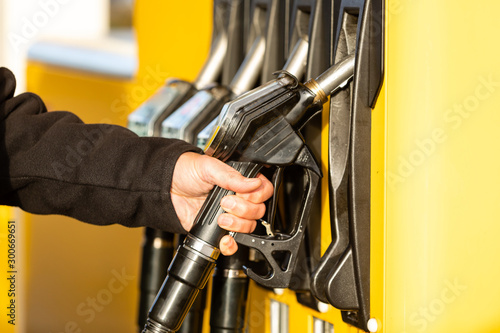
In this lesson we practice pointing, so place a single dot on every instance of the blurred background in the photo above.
(25, 23)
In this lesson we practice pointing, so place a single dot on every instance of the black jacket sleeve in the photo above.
(53, 163)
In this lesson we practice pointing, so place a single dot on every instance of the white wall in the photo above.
(2, 32)
(24, 22)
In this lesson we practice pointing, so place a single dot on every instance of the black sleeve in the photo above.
(53, 163)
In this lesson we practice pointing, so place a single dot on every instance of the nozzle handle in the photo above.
(194, 262)
(205, 226)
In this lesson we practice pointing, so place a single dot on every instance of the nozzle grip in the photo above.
(205, 225)
(194, 261)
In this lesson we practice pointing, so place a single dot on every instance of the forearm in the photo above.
(52, 163)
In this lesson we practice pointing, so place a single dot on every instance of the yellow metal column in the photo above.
(442, 176)
(173, 35)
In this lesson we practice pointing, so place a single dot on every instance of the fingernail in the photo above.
(224, 221)
(226, 241)
(228, 203)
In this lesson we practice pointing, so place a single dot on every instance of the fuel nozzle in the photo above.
(333, 79)
(255, 129)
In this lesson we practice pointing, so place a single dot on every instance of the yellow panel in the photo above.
(173, 36)
(377, 238)
(94, 98)
(326, 230)
(443, 96)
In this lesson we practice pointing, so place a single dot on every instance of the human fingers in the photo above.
(235, 223)
(228, 245)
(242, 208)
(219, 173)
(261, 194)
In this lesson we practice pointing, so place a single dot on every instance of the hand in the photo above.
(195, 175)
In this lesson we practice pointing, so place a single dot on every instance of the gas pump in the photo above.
(265, 128)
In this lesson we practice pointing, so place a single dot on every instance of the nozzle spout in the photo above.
(337, 76)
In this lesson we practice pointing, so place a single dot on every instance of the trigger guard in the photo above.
(306, 159)
(278, 277)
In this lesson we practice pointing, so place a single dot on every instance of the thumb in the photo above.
(219, 173)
